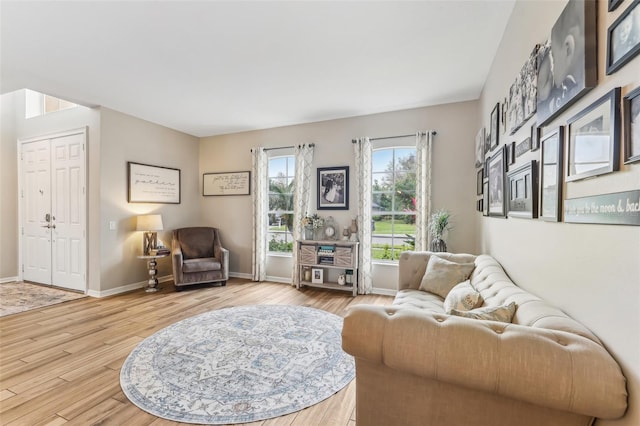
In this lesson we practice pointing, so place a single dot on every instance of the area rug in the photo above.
(18, 297)
(238, 365)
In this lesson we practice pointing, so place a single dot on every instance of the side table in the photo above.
(152, 285)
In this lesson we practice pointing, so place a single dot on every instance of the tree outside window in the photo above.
(280, 215)
(393, 202)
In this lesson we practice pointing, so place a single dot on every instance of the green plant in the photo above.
(438, 223)
(280, 246)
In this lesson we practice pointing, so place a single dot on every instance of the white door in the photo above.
(58, 222)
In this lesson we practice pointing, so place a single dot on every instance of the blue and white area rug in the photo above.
(238, 365)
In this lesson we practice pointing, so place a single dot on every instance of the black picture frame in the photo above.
(523, 147)
(480, 148)
(523, 93)
(551, 163)
(535, 137)
(333, 188)
(479, 181)
(576, 27)
(623, 38)
(523, 191)
(511, 153)
(494, 126)
(152, 184)
(593, 139)
(613, 4)
(226, 183)
(485, 197)
(631, 113)
(497, 168)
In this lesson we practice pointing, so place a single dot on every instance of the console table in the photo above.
(320, 263)
(152, 284)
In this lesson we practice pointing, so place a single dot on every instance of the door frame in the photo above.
(84, 131)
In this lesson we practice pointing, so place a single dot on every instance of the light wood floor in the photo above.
(61, 364)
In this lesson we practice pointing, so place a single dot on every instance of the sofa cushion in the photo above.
(462, 297)
(442, 275)
(503, 313)
(201, 265)
(418, 300)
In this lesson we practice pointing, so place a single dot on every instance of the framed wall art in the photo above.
(480, 148)
(523, 93)
(229, 183)
(333, 188)
(567, 62)
(511, 153)
(613, 4)
(523, 147)
(623, 38)
(594, 138)
(535, 137)
(618, 208)
(494, 139)
(631, 108)
(152, 184)
(551, 175)
(485, 198)
(523, 191)
(479, 181)
(497, 167)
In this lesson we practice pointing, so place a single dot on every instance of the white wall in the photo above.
(453, 186)
(591, 271)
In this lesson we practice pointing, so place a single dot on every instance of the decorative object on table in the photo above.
(438, 224)
(317, 275)
(348, 276)
(480, 148)
(567, 62)
(620, 208)
(631, 107)
(18, 297)
(153, 184)
(479, 180)
(342, 279)
(310, 224)
(623, 38)
(228, 183)
(535, 137)
(198, 257)
(149, 224)
(523, 93)
(494, 125)
(345, 233)
(353, 230)
(523, 147)
(523, 191)
(594, 138)
(497, 168)
(551, 175)
(613, 4)
(238, 365)
(307, 274)
(330, 228)
(333, 188)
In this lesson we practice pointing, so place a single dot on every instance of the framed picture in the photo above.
(479, 180)
(631, 105)
(551, 175)
(594, 138)
(487, 143)
(495, 127)
(229, 183)
(623, 38)
(497, 167)
(152, 184)
(535, 137)
(485, 198)
(333, 188)
(511, 150)
(480, 148)
(523, 147)
(479, 205)
(613, 4)
(522, 94)
(567, 67)
(317, 275)
(523, 191)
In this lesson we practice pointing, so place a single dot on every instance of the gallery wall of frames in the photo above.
(592, 142)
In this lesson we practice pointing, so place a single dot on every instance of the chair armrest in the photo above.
(176, 260)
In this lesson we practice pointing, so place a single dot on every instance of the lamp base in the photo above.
(149, 242)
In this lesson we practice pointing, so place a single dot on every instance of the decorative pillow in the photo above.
(502, 313)
(462, 297)
(442, 275)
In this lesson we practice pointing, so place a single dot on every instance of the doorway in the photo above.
(53, 209)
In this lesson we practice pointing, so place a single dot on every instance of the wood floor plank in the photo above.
(61, 364)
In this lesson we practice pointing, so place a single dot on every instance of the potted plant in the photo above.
(439, 223)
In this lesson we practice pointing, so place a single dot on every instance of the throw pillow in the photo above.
(502, 313)
(442, 275)
(462, 297)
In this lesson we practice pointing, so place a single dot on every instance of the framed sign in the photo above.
(494, 126)
(620, 208)
(631, 105)
(229, 183)
(153, 184)
(594, 138)
(523, 191)
(333, 188)
(497, 167)
(623, 38)
(551, 175)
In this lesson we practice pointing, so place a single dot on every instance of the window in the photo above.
(37, 104)
(280, 214)
(393, 202)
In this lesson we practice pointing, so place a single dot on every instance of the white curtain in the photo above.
(301, 196)
(363, 151)
(423, 189)
(259, 171)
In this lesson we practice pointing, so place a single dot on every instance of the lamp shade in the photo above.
(149, 222)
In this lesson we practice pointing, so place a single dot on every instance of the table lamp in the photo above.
(149, 224)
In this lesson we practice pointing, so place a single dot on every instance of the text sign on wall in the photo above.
(620, 208)
(232, 183)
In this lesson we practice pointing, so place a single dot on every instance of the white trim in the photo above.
(8, 280)
(125, 288)
(240, 275)
(283, 280)
(384, 291)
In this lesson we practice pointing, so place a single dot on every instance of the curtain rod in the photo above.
(433, 132)
(285, 147)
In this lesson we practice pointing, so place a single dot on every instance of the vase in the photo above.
(438, 245)
(308, 233)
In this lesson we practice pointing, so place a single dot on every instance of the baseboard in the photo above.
(240, 275)
(126, 288)
(8, 280)
(383, 291)
(279, 280)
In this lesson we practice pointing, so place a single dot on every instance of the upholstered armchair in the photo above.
(198, 257)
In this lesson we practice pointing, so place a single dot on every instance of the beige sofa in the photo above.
(415, 365)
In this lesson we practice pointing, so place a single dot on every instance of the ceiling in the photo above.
(210, 67)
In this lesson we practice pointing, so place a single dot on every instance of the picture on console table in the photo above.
(497, 169)
(317, 276)
(333, 188)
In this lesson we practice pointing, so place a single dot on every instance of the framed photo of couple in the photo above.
(333, 188)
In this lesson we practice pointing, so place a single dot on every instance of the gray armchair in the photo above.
(198, 257)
